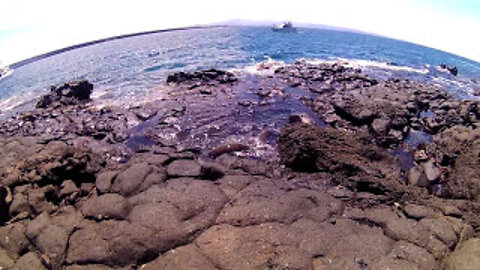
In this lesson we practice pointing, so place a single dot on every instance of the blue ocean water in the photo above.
(130, 69)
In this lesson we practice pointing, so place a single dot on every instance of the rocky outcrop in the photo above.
(178, 184)
(452, 70)
(201, 78)
(308, 148)
(71, 93)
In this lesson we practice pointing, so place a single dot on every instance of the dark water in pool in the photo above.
(129, 70)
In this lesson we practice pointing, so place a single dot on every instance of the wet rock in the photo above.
(202, 77)
(431, 171)
(416, 176)
(29, 261)
(300, 118)
(106, 206)
(182, 258)
(380, 126)
(465, 257)
(181, 167)
(70, 93)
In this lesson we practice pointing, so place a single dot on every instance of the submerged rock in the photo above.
(202, 77)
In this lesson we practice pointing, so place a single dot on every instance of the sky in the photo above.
(32, 27)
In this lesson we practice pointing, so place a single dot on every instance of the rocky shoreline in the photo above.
(301, 167)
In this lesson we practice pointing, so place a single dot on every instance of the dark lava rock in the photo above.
(70, 93)
(213, 171)
(305, 147)
(54, 163)
(459, 145)
(202, 77)
(363, 167)
(451, 70)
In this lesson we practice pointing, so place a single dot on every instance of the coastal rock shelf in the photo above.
(304, 167)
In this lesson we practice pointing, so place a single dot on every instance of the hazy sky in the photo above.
(30, 27)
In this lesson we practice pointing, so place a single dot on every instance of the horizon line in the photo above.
(227, 23)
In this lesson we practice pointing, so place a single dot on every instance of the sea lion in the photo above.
(227, 148)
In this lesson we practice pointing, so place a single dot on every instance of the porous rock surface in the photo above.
(87, 196)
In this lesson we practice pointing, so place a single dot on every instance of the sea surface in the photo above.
(131, 70)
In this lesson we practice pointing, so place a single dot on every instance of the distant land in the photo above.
(73, 47)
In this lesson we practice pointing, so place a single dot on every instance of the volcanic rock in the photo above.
(71, 93)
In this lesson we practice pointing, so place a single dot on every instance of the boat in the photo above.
(284, 27)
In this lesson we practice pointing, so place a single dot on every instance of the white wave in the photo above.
(266, 67)
(5, 72)
(360, 63)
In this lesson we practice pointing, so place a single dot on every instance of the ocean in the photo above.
(129, 71)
